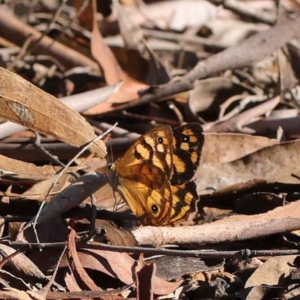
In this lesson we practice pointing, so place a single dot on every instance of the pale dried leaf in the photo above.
(271, 271)
(12, 168)
(275, 163)
(23, 103)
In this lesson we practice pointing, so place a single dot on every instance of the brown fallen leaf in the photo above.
(22, 264)
(120, 265)
(125, 92)
(144, 274)
(275, 163)
(115, 236)
(257, 203)
(271, 271)
(102, 53)
(82, 278)
(173, 267)
(226, 147)
(12, 168)
(29, 106)
(40, 190)
(15, 294)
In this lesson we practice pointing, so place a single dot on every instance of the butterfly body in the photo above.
(154, 175)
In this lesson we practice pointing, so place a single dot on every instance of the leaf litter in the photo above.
(71, 70)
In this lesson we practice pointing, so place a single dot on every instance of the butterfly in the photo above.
(154, 175)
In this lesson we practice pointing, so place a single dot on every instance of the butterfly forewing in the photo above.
(155, 147)
(187, 144)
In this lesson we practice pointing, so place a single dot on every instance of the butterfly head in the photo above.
(111, 176)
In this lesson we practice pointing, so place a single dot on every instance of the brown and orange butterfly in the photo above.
(154, 175)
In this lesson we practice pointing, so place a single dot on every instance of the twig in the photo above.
(183, 38)
(34, 222)
(17, 32)
(244, 10)
(21, 53)
(207, 253)
(235, 228)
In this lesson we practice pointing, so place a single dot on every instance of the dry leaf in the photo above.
(227, 147)
(23, 264)
(120, 265)
(114, 235)
(83, 279)
(275, 163)
(102, 53)
(271, 271)
(127, 91)
(15, 294)
(23, 103)
(12, 168)
(144, 274)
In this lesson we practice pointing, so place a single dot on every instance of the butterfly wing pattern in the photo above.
(188, 142)
(154, 175)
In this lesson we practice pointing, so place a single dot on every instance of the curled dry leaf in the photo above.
(115, 236)
(83, 279)
(230, 32)
(210, 93)
(31, 107)
(144, 274)
(71, 282)
(102, 54)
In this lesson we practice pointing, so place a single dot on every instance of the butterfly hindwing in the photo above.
(150, 196)
(187, 146)
(184, 199)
